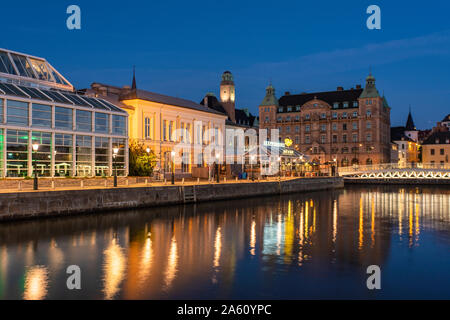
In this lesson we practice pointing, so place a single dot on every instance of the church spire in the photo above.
(410, 122)
(133, 85)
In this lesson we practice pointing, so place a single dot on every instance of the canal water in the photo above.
(313, 245)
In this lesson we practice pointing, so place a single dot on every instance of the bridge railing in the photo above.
(391, 166)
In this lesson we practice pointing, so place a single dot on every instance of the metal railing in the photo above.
(392, 166)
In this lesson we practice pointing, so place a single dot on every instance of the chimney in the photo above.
(287, 93)
(358, 86)
(340, 89)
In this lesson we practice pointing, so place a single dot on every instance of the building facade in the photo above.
(168, 124)
(436, 149)
(347, 126)
(407, 140)
(75, 135)
(237, 119)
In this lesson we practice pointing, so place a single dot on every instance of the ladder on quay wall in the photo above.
(189, 194)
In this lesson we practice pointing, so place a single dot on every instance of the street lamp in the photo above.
(335, 166)
(35, 149)
(217, 167)
(279, 168)
(173, 166)
(115, 152)
(251, 166)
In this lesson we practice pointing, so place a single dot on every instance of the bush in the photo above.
(141, 163)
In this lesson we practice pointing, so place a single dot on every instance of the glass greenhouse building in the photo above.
(75, 135)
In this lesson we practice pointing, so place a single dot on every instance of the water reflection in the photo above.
(36, 283)
(298, 246)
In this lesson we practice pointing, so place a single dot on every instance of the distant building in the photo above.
(407, 140)
(436, 148)
(446, 121)
(227, 105)
(237, 119)
(351, 126)
(163, 123)
(76, 135)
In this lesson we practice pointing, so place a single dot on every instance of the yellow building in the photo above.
(165, 124)
(436, 149)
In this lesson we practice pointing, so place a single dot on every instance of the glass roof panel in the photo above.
(23, 66)
(111, 106)
(57, 97)
(76, 100)
(35, 93)
(5, 64)
(12, 90)
(95, 103)
(41, 70)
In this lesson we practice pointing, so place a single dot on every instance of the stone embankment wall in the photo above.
(24, 205)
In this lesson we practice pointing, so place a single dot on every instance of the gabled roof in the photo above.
(243, 117)
(398, 134)
(438, 138)
(160, 98)
(446, 118)
(329, 97)
(213, 103)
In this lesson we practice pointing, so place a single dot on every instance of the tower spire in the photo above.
(410, 122)
(133, 85)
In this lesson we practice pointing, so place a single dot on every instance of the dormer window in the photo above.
(297, 108)
(280, 109)
(289, 109)
(345, 104)
(355, 103)
(335, 105)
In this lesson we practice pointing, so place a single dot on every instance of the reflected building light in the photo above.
(334, 220)
(172, 264)
(56, 256)
(114, 269)
(417, 221)
(217, 247)
(306, 219)
(29, 254)
(279, 234)
(411, 222)
(301, 231)
(253, 238)
(4, 259)
(372, 222)
(93, 238)
(36, 283)
(361, 224)
(400, 214)
(314, 220)
(146, 260)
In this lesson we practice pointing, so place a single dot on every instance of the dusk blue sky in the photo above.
(181, 48)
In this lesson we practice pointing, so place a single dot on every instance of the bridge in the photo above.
(393, 172)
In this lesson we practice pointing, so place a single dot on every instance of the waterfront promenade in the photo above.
(36, 204)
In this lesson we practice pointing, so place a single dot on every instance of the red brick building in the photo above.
(351, 126)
